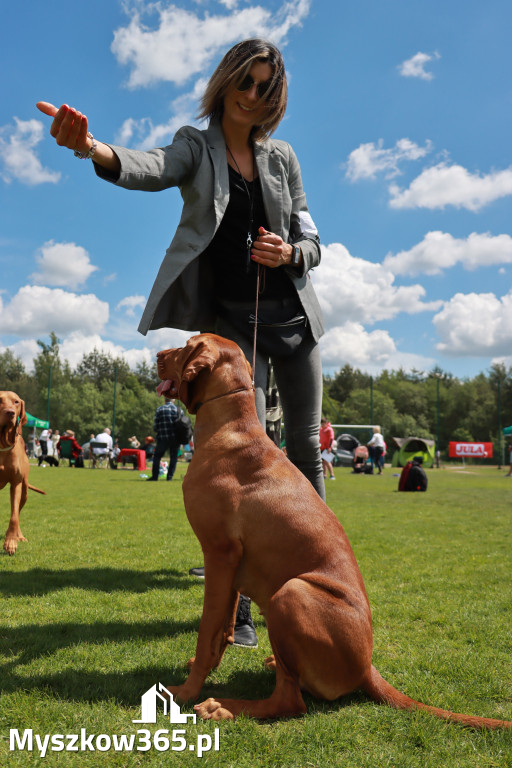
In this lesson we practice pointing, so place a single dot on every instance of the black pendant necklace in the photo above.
(250, 195)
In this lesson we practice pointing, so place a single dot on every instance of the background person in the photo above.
(43, 439)
(55, 442)
(76, 448)
(149, 447)
(326, 444)
(376, 449)
(107, 446)
(163, 427)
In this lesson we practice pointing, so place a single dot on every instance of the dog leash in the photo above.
(255, 327)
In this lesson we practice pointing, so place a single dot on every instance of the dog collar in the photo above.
(224, 394)
(9, 448)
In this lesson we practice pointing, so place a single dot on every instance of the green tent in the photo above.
(507, 431)
(409, 447)
(33, 421)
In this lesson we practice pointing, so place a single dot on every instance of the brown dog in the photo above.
(13, 464)
(265, 533)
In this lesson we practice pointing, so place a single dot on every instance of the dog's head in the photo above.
(186, 372)
(12, 417)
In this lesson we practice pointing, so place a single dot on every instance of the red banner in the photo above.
(470, 450)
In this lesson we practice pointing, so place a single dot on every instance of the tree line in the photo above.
(102, 388)
(434, 405)
(82, 399)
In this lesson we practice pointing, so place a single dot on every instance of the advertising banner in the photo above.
(470, 450)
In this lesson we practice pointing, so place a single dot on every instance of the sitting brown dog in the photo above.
(265, 533)
(13, 464)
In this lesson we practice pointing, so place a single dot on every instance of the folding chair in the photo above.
(102, 460)
(66, 451)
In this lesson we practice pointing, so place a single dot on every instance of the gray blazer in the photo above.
(196, 162)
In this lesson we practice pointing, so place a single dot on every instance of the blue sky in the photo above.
(399, 112)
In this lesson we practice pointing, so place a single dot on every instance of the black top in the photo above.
(234, 271)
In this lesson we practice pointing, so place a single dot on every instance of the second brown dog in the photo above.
(13, 463)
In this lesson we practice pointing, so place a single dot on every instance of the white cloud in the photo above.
(369, 351)
(182, 44)
(65, 264)
(78, 344)
(444, 185)
(26, 349)
(37, 309)
(167, 338)
(131, 302)
(440, 250)
(75, 345)
(369, 159)
(18, 153)
(475, 325)
(350, 288)
(142, 134)
(415, 66)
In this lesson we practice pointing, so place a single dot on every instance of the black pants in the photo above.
(161, 447)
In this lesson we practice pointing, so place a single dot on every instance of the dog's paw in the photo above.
(184, 693)
(11, 544)
(270, 662)
(190, 662)
(212, 710)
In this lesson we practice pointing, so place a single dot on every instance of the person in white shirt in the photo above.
(105, 438)
(43, 441)
(376, 448)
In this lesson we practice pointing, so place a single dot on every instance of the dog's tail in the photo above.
(38, 490)
(384, 693)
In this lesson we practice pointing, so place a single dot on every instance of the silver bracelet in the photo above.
(90, 153)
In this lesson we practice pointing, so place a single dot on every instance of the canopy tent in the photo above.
(507, 431)
(33, 421)
(409, 447)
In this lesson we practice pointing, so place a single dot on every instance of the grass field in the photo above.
(98, 606)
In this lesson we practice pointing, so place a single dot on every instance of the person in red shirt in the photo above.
(76, 449)
(326, 441)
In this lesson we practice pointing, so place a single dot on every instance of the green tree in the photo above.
(346, 381)
(100, 368)
(147, 375)
(50, 373)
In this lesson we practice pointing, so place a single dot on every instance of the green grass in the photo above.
(98, 606)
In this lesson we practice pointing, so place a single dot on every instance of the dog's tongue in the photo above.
(163, 387)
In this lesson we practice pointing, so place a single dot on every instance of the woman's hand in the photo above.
(69, 127)
(271, 250)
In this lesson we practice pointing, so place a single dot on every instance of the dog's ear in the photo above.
(22, 418)
(203, 357)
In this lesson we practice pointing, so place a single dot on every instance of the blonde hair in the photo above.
(233, 68)
(376, 429)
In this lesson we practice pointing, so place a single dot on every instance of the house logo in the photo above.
(158, 694)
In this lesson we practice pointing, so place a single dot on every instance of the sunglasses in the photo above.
(262, 89)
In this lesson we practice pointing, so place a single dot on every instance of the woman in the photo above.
(208, 278)
(376, 449)
(245, 231)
